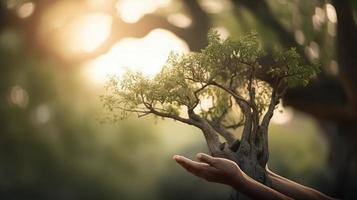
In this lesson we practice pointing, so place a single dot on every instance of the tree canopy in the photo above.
(219, 85)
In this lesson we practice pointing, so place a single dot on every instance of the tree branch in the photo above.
(171, 116)
(228, 136)
(255, 113)
(246, 109)
(347, 48)
(324, 99)
(247, 130)
(209, 132)
(234, 126)
(269, 114)
(235, 95)
(195, 93)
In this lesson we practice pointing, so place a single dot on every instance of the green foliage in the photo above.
(190, 80)
(290, 65)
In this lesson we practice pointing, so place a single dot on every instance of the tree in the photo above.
(223, 74)
(331, 100)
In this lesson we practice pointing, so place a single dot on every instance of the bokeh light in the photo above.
(56, 56)
(26, 9)
(147, 55)
(89, 31)
(132, 10)
(282, 115)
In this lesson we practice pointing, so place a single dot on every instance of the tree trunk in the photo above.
(248, 159)
(251, 158)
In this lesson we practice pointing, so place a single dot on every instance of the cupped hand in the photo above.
(212, 169)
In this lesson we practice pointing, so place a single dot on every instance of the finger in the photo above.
(194, 169)
(190, 165)
(207, 159)
(188, 162)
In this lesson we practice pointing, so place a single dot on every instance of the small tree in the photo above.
(224, 76)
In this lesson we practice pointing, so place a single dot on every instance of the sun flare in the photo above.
(90, 31)
(132, 10)
(282, 115)
(147, 55)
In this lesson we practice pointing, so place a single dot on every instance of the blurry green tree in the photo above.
(51, 145)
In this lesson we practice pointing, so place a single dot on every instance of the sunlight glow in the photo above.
(223, 32)
(72, 28)
(26, 10)
(42, 114)
(212, 6)
(146, 55)
(331, 29)
(205, 104)
(318, 18)
(331, 13)
(312, 51)
(299, 37)
(333, 67)
(19, 96)
(90, 30)
(131, 11)
(282, 115)
(180, 20)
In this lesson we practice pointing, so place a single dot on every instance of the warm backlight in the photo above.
(89, 31)
(147, 55)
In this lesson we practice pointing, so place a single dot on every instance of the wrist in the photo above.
(239, 181)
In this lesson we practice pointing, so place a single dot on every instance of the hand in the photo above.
(212, 169)
(225, 171)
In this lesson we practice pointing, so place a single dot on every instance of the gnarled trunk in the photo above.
(251, 156)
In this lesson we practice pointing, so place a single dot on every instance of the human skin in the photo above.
(227, 172)
(295, 190)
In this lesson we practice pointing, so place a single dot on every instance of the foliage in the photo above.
(207, 82)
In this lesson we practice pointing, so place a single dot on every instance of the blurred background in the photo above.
(55, 56)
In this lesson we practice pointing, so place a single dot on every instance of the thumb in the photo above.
(207, 159)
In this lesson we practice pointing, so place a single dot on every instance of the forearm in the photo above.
(256, 190)
(295, 190)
